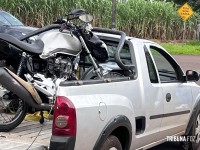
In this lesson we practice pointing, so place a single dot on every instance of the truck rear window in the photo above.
(125, 52)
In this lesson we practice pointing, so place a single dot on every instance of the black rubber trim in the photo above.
(195, 112)
(35, 48)
(118, 121)
(169, 114)
(62, 142)
(99, 81)
(41, 30)
(140, 126)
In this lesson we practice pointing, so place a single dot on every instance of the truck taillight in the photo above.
(64, 117)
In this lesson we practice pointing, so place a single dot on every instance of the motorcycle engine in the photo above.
(46, 78)
(59, 67)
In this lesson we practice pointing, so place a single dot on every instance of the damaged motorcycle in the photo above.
(58, 54)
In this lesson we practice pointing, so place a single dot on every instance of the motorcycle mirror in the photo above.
(86, 18)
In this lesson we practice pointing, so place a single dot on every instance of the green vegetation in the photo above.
(138, 18)
(195, 4)
(188, 48)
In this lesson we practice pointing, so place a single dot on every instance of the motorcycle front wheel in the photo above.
(12, 110)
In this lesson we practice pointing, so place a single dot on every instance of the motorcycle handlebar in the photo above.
(41, 30)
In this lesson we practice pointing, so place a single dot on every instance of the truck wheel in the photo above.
(195, 132)
(194, 136)
(111, 143)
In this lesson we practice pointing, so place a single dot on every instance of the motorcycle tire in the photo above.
(12, 110)
(90, 74)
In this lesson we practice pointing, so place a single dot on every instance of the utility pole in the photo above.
(113, 14)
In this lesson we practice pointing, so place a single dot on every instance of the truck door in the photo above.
(177, 94)
(152, 103)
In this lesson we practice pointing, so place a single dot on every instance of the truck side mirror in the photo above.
(192, 75)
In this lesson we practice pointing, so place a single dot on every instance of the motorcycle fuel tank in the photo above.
(59, 42)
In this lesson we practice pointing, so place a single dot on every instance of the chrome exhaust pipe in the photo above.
(22, 89)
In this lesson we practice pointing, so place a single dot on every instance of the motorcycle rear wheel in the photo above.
(12, 110)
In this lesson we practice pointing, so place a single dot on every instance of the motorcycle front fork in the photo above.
(22, 61)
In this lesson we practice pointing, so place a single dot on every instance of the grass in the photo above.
(138, 18)
(188, 48)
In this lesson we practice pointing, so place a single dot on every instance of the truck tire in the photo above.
(90, 74)
(194, 135)
(111, 143)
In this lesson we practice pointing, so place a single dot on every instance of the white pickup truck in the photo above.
(129, 109)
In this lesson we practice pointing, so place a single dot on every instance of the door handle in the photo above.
(168, 97)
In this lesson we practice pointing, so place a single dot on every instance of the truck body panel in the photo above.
(157, 99)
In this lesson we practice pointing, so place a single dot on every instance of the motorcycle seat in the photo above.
(33, 48)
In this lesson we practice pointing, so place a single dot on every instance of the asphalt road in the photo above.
(187, 62)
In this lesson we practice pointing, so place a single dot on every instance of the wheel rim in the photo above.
(113, 148)
(197, 129)
(10, 110)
